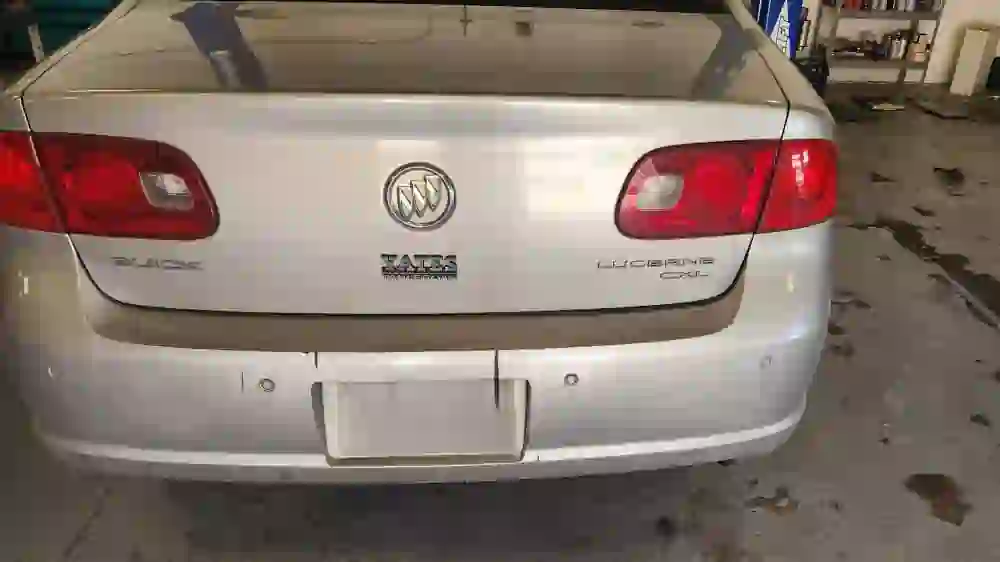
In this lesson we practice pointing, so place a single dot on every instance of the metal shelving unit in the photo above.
(902, 66)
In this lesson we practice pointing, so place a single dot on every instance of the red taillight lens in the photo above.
(111, 186)
(717, 189)
(23, 200)
(804, 189)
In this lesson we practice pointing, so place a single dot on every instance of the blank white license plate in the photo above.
(429, 421)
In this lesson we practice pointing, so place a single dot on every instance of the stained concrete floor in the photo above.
(910, 385)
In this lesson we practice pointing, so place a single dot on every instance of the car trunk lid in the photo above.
(532, 118)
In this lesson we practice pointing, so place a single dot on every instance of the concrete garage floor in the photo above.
(910, 385)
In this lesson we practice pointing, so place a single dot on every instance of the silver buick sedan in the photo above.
(411, 241)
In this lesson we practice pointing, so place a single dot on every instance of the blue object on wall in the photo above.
(780, 20)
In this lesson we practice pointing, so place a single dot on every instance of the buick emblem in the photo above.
(419, 196)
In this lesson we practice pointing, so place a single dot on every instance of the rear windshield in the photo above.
(684, 6)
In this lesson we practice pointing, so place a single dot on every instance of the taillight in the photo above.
(104, 186)
(804, 189)
(23, 200)
(112, 186)
(716, 189)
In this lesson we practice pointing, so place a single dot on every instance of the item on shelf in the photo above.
(891, 46)
(919, 48)
(846, 48)
(927, 6)
(884, 48)
(898, 44)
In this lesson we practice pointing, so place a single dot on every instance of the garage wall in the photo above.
(958, 15)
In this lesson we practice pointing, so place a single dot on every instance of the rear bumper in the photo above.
(198, 413)
(542, 463)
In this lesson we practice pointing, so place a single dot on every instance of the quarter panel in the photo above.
(80, 385)
(752, 373)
